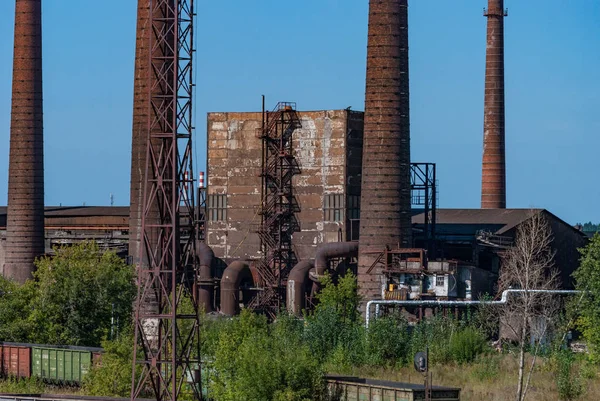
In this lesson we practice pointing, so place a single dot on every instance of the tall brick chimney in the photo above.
(385, 215)
(25, 216)
(493, 177)
(141, 98)
(141, 120)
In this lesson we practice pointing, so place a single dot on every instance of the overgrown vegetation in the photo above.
(112, 378)
(587, 279)
(76, 298)
(77, 294)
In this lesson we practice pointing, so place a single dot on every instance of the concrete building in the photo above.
(476, 236)
(328, 150)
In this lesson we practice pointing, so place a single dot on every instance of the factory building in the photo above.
(64, 226)
(469, 240)
(326, 183)
(290, 194)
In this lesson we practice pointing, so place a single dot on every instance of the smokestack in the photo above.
(493, 177)
(140, 132)
(141, 99)
(25, 215)
(385, 215)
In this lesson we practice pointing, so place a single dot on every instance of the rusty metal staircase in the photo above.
(279, 205)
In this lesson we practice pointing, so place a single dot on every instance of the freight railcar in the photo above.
(345, 388)
(51, 363)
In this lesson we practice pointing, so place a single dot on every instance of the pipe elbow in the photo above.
(230, 285)
(296, 286)
(333, 250)
(205, 257)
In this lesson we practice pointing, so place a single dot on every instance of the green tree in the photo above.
(342, 298)
(14, 309)
(78, 294)
(334, 330)
(257, 361)
(587, 278)
(112, 377)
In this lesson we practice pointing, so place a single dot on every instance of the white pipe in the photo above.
(502, 301)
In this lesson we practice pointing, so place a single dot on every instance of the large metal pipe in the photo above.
(25, 214)
(493, 176)
(232, 278)
(333, 250)
(385, 214)
(296, 286)
(434, 303)
(206, 284)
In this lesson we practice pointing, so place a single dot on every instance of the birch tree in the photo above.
(529, 265)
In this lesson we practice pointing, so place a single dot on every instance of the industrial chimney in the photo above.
(141, 124)
(493, 177)
(25, 215)
(141, 99)
(385, 215)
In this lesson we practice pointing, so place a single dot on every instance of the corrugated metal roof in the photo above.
(52, 211)
(87, 211)
(506, 218)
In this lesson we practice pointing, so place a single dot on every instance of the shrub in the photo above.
(112, 377)
(466, 345)
(569, 386)
(255, 361)
(387, 341)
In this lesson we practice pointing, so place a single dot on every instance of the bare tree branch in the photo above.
(529, 265)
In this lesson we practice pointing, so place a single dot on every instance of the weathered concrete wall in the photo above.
(324, 146)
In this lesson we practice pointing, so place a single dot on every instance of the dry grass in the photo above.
(492, 379)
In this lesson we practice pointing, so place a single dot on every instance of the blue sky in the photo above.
(313, 52)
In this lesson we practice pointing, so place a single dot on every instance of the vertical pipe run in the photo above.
(385, 218)
(25, 215)
(493, 177)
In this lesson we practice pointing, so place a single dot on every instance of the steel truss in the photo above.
(166, 337)
(279, 205)
(423, 185)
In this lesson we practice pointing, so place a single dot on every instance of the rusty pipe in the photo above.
(333, 250)
(230, 286)
(205, 291)
(296, 286)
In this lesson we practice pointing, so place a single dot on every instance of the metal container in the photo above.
(358, 389)
(64, 365)
(15, 360)
(97, 358)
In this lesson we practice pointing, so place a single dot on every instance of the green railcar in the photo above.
(61, 365)
(358, 389)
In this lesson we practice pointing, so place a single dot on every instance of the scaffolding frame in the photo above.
(424, 193)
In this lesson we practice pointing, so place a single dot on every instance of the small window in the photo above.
(354, 207)
(217, 207)
(439, 281)
(333, 207)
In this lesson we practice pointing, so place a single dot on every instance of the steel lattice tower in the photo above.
(166, 335)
